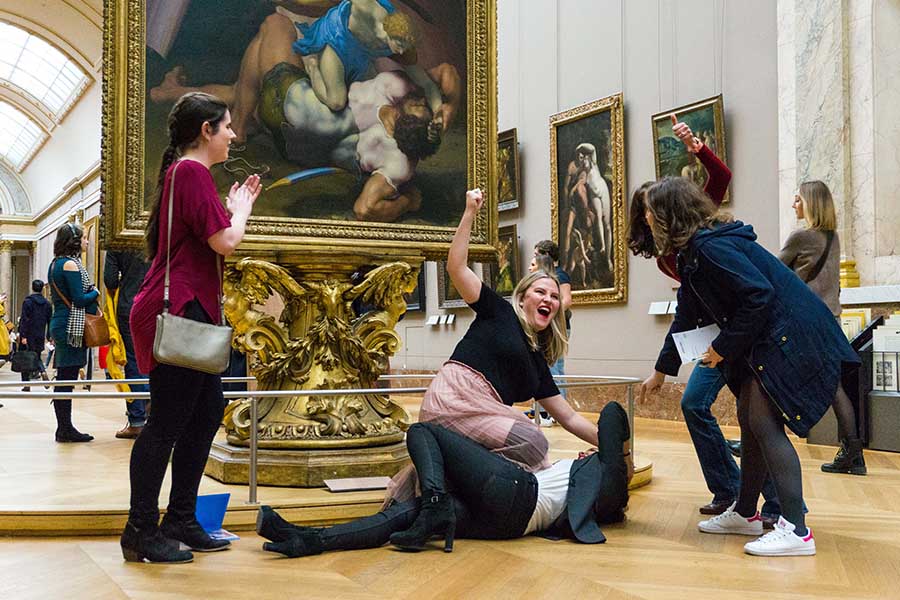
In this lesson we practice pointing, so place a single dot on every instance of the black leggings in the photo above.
(493, 497)
(765, 447)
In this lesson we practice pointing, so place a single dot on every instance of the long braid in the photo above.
(151, 239)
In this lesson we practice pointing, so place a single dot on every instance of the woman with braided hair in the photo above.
(187, 404)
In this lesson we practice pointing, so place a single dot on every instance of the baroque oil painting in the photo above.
(357, 114)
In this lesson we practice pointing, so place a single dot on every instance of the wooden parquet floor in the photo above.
(658, 553)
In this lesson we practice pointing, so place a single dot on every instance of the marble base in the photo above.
(665, 404)
(304, 468)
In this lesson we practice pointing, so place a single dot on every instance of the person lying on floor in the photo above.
(471, 492)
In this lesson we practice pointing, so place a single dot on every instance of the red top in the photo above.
(716, 186)
(198, 214)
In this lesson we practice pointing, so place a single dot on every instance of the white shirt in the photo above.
(553, 490)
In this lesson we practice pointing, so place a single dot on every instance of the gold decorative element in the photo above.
(6, 245)
(124, 92)
(849, 274)
(618, 293)
(318, 342)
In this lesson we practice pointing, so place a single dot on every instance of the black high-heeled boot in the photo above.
(189, 533)
(436, 516)
(300, 543)
(149, 545)
(272, 526)
(65, 431)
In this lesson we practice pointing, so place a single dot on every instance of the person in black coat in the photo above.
(477, 494)
(34, 324)
(778, 346)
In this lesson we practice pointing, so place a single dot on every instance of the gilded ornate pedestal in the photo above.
(332, 333)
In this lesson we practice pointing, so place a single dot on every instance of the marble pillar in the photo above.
(6, 271)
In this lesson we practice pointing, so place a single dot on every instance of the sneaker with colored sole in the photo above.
(731, 522)
(782, 541)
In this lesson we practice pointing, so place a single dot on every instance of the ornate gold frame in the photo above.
(719, 121)
(124, 41)
(614, 104)
(510, 136)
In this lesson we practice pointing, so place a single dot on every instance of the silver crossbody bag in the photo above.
(186, 343)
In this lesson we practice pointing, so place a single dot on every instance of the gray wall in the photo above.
(557, 54)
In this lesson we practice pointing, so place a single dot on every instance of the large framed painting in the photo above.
(504, 274)
(509, 190)
(415, 300)
(587, 199)
(706, 119)
(448, 295)
(366, 119)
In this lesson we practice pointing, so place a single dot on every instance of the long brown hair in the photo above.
(185, 123)
(640, 238)
(679, 208)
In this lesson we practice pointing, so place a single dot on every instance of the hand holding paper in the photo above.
(697, 344)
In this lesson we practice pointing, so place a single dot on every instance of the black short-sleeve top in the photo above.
(495, 345)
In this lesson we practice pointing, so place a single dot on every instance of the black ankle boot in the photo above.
(190, 534)
(307, 542)
(849, 458)
(65, 431)
(149, 545)
(272, 526)
(436, 516)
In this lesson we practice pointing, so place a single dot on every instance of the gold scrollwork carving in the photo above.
(318, 342)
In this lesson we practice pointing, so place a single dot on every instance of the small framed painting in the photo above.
(509, 189)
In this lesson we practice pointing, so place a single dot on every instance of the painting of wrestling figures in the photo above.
(587, 199)
(359, 115)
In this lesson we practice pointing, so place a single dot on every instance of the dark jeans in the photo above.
(135, 409)
(721, 472)
(493, 498)
(29, 375)
(187, 411)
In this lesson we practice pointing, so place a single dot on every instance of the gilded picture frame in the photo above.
(128, 186)
(706, 118)
(91, 258)
(503, 275)
(587, 199)
(448, 295)
(415, 300)
(509, 178)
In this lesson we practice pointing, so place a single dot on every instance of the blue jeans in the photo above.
(135, 409)
(721, 472)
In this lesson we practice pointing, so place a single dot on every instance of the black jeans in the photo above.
(493, 498)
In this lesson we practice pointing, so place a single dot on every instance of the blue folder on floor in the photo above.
(211, 514)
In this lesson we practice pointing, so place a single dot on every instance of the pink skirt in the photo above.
(463, 400)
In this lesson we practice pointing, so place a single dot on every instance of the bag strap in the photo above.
(166, 302)
(59, 293)
(829, 235)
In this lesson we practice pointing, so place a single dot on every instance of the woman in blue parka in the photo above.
(779, 347)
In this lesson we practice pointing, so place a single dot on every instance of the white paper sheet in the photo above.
(693, 344)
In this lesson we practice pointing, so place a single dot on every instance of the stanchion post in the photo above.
(253, 449)
(629, 394)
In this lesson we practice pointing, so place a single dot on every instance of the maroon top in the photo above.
(198, 214)
(716, 186)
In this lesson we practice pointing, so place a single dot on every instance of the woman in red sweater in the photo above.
(722, 475)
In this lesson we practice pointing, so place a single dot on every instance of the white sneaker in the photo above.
(782, 541)
(547, 421)
(731, 522)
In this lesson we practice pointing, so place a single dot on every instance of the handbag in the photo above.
(25, 361)
(96, 329)
(182, 342)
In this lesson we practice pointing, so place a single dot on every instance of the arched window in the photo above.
(36, 67)
(20, 136)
